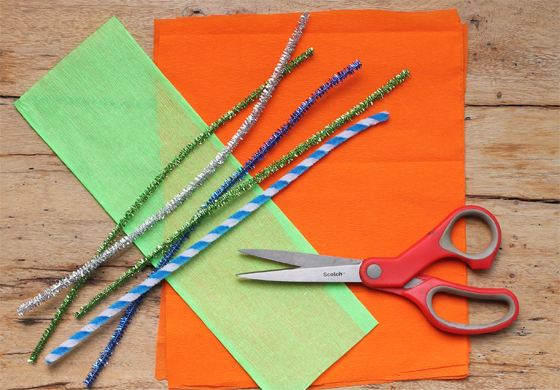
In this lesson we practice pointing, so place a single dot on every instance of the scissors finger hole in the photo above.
(479, 235)
(481, 311)
(446, 241)
(484, 311)
(485, 295)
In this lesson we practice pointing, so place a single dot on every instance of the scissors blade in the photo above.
(299, 259)
(413, 283)
(334, 274)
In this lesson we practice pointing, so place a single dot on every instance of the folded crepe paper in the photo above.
(107, 98)
(406, 179)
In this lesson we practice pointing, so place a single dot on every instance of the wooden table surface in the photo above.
(512, 127)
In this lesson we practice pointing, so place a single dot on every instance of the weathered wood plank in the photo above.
(527, 353)
(513, 152)
(513, 44)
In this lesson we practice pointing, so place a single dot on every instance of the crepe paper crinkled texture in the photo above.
(115, 121)
(407, 175)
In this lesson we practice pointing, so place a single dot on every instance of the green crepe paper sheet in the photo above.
(116, 121)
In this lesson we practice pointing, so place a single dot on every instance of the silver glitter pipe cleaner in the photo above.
(187, 191)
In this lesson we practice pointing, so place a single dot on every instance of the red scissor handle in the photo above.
(378, 272)
(423, 287)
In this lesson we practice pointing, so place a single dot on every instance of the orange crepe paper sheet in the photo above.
(383, 193)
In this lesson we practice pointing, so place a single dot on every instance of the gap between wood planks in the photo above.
(552, 201)
(513, 105)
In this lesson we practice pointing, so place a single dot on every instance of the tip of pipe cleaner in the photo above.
(51, 358)
(380, 116)
(23, 308)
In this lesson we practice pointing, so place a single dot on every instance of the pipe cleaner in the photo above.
(115, 338)
(150, 189)
(223, 228)
(262, 152)
(187, 191)
(244, 186)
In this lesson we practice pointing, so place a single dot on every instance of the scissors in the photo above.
(402, 275)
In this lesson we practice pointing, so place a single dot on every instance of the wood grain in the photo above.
(512, 169)
(513, 152)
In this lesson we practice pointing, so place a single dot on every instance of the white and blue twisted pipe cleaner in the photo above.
(224, 227)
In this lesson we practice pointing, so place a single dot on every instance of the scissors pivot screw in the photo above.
(374, 271)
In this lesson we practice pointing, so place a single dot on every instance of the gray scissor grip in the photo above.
(447, 244)
(468, 294)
